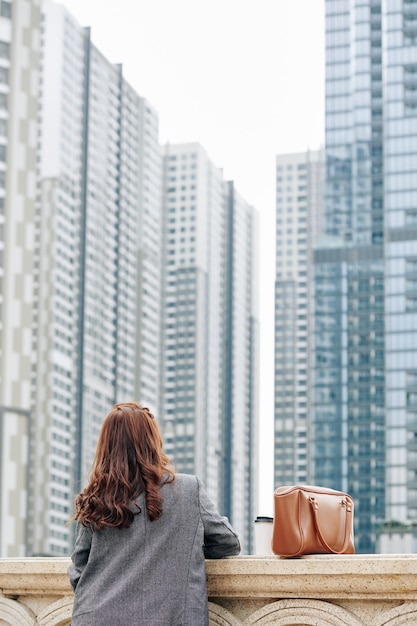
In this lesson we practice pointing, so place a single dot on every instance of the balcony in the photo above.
(324, 590)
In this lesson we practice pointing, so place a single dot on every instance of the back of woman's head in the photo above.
(128, 460)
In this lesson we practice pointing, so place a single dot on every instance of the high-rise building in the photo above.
(365, 427)
(210, 332)
(96, 331)
(299, 205)
(84, 270)
(241, 392)
(20, 23)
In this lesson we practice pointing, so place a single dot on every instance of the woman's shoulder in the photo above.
(186, 483)
(186, 480)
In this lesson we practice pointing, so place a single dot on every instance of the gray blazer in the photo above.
(153, 573)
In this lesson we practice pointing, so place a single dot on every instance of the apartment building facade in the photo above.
(20, 28)
(210, 331)
(98, 267)
(88, 263)
(299, 205)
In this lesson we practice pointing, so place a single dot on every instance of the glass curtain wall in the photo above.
(349, 414)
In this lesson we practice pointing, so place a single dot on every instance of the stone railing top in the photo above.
(325, 576)
(386, 577)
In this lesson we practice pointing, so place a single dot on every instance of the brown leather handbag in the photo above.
(312, 520)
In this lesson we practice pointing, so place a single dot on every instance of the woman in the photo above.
(142, 532)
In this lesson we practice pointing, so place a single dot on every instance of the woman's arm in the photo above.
(80, 554)
(219, 537)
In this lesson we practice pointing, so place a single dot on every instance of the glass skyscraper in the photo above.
(365, 305)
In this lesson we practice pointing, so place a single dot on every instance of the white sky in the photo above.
(245, 78)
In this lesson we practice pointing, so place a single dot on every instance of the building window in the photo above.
(5, 9)
(4, 50)
(411, 218)
(411, 399)
(4, 76)
(412, 379)
(411, 304)
(410, 86)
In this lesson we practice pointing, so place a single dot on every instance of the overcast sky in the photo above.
(245, 78)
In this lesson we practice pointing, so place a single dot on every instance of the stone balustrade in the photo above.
(319, 590)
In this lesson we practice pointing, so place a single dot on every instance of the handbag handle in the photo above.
(315, 506)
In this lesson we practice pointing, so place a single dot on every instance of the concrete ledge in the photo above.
(357, 590)
(34, 576)
(329, 576)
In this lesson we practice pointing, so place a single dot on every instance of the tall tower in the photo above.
(19, 78)
(241, 390)
(210, 331)
(399, 46)
(97, 323)
(366, 322)
(299, 206)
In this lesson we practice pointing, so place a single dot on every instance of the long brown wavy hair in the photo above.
(128, 461)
